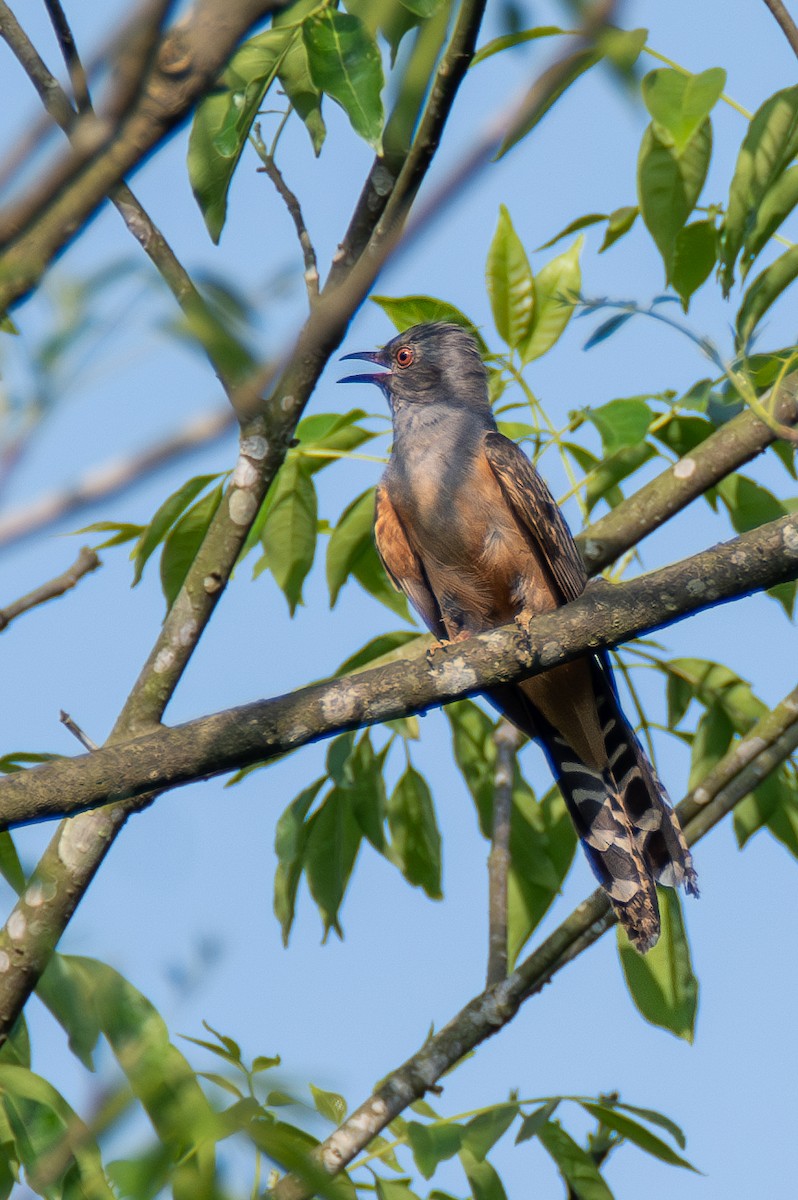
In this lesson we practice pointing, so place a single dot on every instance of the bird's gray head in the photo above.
(436, 363)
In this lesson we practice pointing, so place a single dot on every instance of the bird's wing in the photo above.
(536, 510)
(404, 567)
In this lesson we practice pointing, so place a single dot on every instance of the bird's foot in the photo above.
(444, 642)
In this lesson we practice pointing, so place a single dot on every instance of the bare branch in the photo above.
(86, 561)
(113, 477)
(489, 1012)
(76, 731)
(69, 50)
(603, 616)
(785, 21)
(291, 202)
(506, 739)
(189, 59)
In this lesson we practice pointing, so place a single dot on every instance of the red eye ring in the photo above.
(404, 357)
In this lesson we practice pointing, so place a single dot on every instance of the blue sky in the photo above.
(183, 904)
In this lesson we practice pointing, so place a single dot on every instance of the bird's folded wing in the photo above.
(405, 569)
(536, 510)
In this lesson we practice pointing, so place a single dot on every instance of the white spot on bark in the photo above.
(35, 896)
(337, 704)
(245, 473)
(340, 255)
(696, 587)
(254, 447)
(211, 583)
(379, 1108)
(17, 925)
(382, 180)
(242, 507)
(187, 633)
(5, 961)
(592, 548)
(790, 536)
(456, 675)
(163, 660)
(549, 653)
(684, 468)
(287, 403)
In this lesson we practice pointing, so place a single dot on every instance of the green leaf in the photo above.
(367, 791)
(632, 1131)
(433, 1144)
(122, 532)
(777, 204)
(300, 90)
(669, 183)
(418, 310)
(782, 821)
(393, 1189)
(656, 1118)
(222, 122)
(578, 1170)
(619, 223)
(766, 288)
(749, 505)
(333, 432)
(768, 148)
(329, 1104)
(290, 841)
(45, 1127)
(661, 982)
(482, 1177)
(349, 541)
(574, 227)
(509, 40)
(289, 531)
(345, 63)
(694, 254)
(534, 1122)
(333, 841)
(10, 866)
(606, 329)
(621, 423)
(510, 285)
(556, 288)
(62, 989)
(384, 648)
(183, 542)
(681, 103)
(165, 517)
(415, 838)
(483, 1131)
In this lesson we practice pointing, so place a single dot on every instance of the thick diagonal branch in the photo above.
(605, 615)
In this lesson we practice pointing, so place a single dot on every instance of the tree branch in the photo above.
(489, 1012)
(187, 64)
(785, 21)
(506, 739)
(86, 561)
(113, 477)
(66, 40)
(291, 202)
(604, 616)
(735, 443)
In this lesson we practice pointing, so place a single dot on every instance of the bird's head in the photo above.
(434, 363)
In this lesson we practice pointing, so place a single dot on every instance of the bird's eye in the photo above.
(404, 356)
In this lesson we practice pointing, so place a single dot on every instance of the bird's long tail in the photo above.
(630, 834)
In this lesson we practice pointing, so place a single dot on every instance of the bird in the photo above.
(466, 527)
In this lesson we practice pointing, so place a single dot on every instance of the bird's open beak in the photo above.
(381, 378)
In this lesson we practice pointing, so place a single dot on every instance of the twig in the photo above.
(86, 561)
(66, 40)
(224, 352)
(291, 202)
(506, 740)
(189, 58)
(77, 732)
(113, 477)
(485, 1015)
(785, 21)
(604, 616)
